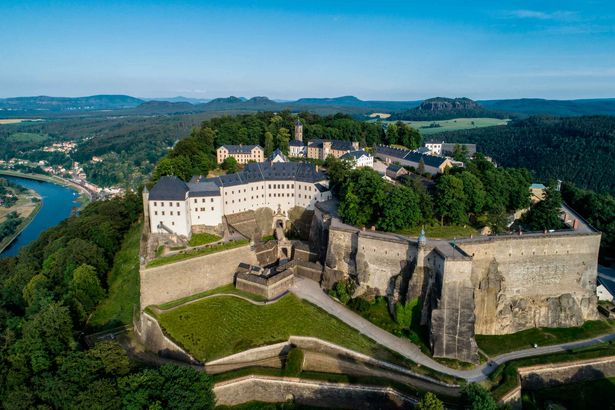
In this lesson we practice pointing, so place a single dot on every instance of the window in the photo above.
(171, 212)
(155, 212)
(155, 204)
(177, 204)
(170, 203)
(195, 200)
(178, 214)
(212, 208)
(203, 200)
(162, 213)
(210, 200)
(173, 223)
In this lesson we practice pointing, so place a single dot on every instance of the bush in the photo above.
(404, 312)
(359, 305)
(476, 397)
(341, 292)
(294, 363)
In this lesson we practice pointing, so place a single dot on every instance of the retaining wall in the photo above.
(310, 393)
(180, 279)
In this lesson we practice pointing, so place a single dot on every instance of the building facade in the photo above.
(175, 206)
(430, 163)
(359, 159)
(242, 153)
(321, 149)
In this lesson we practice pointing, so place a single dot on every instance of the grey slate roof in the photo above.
(253, 172)
(429, 160)
(276, 153)
(394, 167)
(295, 143)
(354, 154)
(321, 187)
(342, 145)
(169, 188)
(392, 152)
(240, 149)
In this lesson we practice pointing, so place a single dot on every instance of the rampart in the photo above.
(485, 285)
(180, 279)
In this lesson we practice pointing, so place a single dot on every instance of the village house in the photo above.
(359, 159)
(242, 153)
(395, 171)
(430, 163)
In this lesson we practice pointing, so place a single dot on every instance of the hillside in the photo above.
(55, 104)
(441, 108)
(575, 149)
(561, 108)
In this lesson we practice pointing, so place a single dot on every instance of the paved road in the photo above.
(311, 291)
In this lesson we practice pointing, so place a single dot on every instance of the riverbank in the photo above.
(26, 220)
(84, 198)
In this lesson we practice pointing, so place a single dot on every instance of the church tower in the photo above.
(298, 131)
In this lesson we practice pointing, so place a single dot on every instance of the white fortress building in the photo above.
(176, 206)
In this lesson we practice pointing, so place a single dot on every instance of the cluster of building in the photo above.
(65, 147)
(318, 149)
(175, 207)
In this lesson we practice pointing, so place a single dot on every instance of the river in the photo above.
(58, 202)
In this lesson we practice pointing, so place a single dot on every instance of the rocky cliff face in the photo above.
(448, 104)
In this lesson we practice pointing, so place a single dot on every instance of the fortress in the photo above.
(489, 285)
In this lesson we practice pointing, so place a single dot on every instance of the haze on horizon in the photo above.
(388, 50)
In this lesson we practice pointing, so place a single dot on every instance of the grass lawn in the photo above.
(455, 124)
(218, 327)
(203, 238)
(123, 280)
(163, 260)
(593, 394)
(230, 288)
(495, 345)
(437, 231)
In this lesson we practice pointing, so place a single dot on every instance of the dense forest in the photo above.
(480, 195)
(598, 210)
(577, 149)
(196, 155)
(47, 293)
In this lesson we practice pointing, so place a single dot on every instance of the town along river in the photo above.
(58, 204)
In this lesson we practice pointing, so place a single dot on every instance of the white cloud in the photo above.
(541, 15)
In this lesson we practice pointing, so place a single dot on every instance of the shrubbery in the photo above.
(294, 363)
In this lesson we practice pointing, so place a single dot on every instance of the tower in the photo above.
(145, 197)
(298, 131)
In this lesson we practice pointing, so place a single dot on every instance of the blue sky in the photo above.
(399, 50)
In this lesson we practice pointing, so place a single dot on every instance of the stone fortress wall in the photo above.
(487, 285)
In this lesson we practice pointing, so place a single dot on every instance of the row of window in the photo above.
(162, 204)
(170, 213)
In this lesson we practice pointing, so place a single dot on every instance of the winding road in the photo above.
(311, 292)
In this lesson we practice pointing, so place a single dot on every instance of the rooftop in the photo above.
(240, 149)
(354, 154)
(169, 188)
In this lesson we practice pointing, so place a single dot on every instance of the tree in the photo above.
(268, 143)
(400, 210)
(283, 140)
(84, 291)
(391, 134)
(474, 191)
(421, 168)
(460, 153)
(229, 165)
(477, 398)
(451, 200)
(545, 214)
(430, 402)
(408, 136)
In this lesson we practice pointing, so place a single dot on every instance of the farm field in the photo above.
(8, 121)
(28, 137)
(24, 206)
(441, 232)
(455, 124)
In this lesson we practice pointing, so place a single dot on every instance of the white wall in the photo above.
(174, 214)
(206, 210)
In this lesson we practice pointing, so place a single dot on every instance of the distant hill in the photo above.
(438, 108)
(561, 108)
(55, 104)
(441, 108)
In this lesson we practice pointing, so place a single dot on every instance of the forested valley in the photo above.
(576, 149)
(47, 294)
